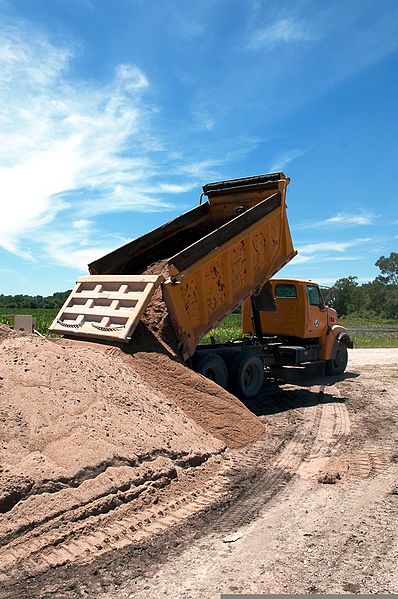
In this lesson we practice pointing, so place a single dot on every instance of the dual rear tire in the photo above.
(241, 372)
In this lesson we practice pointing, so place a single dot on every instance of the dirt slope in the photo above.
(213, 408)
(89, 438)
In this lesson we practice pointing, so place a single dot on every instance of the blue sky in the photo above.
(114, 114)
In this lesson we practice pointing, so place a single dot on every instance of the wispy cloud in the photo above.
(331, 246)
(70, 150)
(351, 219)
(340, 220)
(282, 31)
(329, 251)
(78, 245)
(281, 162)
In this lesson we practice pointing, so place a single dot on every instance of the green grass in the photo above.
(229, 328)
(357, 320)
(44, 317)
(371, 338)
(376, 339)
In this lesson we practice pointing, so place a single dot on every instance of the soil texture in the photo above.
(87, 439)
(310, 506)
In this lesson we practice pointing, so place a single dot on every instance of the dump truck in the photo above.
(209, 261)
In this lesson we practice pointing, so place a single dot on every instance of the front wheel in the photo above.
(339, 364)
(246, 373)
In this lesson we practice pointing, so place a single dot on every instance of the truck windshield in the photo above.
(285, 290)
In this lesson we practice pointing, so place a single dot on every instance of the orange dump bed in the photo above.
(213, 256)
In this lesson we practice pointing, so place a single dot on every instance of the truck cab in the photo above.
(296, 313)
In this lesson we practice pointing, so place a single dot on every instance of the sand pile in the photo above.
(85, 428)
(216, 410)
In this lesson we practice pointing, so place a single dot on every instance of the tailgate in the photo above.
(106, 307)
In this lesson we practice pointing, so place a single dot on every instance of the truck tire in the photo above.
(339, 363)
(212, 366)
(246, 373)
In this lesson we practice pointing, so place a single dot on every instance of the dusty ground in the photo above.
(313, 503)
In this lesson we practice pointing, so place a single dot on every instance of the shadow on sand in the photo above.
(276, 398)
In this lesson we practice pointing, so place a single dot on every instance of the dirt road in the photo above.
(310, 507)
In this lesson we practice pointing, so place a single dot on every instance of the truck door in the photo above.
(317, 314)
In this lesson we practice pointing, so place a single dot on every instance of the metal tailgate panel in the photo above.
(106, 307)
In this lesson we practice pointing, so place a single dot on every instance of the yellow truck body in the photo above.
(207, 262)
(299, 313)
(226, 248)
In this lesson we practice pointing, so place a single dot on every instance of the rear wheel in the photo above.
(339, 364)
(246, 373)
(212, 366)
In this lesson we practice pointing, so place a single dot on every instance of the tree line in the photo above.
(56, 300)
(376, 298)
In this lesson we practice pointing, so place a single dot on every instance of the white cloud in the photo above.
(351, 219)
(78, 245)
(201, 169)
(331, 246)
(328, 251)
(282, 31)
(299, 259)
(284, 159)
(64, 252)
(69, 150)
(340, 219)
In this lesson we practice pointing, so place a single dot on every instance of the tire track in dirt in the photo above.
(87, 539)
(319, 427)
(333, 429)
(241, 492)
(324, 425)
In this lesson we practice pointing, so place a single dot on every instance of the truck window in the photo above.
(285, 290)
(314, 296)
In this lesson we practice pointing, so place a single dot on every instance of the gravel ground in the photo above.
(311, 507)
(358, 357)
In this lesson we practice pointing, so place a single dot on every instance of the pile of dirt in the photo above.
(86, 428)
(216, 410)
(6, 331)
(68, 413)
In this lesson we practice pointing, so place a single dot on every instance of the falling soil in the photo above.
(156, 318)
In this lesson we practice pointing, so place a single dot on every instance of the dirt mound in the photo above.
(6, 331)
(214, 409)
(87, 431)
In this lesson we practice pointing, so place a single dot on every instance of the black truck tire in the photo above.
(212, 366)
(339, 363)
(246, 374)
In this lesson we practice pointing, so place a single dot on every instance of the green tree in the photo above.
(391, 302)
(389, 269)
(346, 295)
(373, 298)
